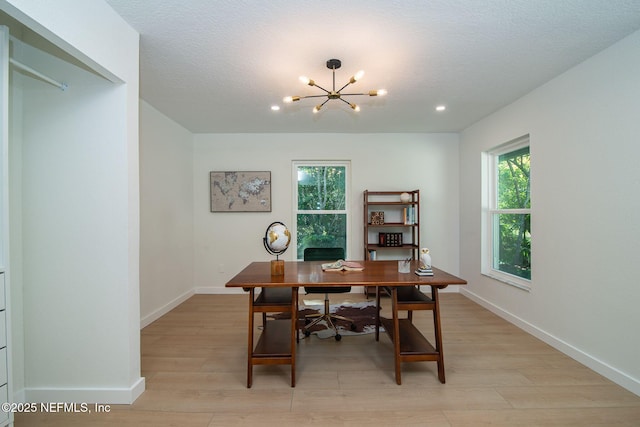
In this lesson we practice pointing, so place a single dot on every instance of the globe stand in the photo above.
(277, 267)
(276, 240)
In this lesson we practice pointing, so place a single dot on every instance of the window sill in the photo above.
(510, 280)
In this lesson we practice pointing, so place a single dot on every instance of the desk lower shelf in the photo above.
(274, 344)
(413, 345)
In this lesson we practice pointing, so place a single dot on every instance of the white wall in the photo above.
(166, 211)
(79, 209)
(226, 242)
(585, 183)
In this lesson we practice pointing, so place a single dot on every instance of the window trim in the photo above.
(489, 209)
(347, 196)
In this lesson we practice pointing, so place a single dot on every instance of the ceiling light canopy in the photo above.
(333, 65)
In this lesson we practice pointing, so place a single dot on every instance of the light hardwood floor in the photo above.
(194, 361)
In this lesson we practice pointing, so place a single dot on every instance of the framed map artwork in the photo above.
(240, 191)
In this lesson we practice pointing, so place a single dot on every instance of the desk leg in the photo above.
(438, 333)
(377, 312)
(294, 333)
(396, 334)
(250, 340)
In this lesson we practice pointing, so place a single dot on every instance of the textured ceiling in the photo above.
(218, 66)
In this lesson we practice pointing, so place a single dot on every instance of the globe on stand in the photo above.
(276, 241)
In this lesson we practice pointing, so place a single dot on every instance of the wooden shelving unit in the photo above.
(398, 217)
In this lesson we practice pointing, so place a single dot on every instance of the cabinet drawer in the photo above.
(3, 366)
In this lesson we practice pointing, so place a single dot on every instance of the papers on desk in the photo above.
(342, 265)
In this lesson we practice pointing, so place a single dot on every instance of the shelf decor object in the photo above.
(377, 218)
(333, 94)
(425, 259)
(390, 239)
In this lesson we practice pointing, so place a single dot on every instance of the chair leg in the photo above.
(327, 307)
(335, 316)
(315, 322)
(327, 317)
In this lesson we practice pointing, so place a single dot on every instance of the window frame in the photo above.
(490, 160)
(347, 202)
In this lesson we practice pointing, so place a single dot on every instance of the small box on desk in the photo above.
(390, 239)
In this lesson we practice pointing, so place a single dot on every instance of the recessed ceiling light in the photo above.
(275, 107)
(441, 108)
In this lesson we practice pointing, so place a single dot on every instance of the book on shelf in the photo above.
(409, 215)
(342, 265)
(390, 239)
(424, 272)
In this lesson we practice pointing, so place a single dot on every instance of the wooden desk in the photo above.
(377, 274)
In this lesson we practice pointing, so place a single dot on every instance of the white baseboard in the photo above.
(604, 369)
(106, 396)
(155, 315)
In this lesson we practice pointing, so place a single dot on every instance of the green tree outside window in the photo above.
(512, 219)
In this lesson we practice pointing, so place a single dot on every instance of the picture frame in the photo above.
(240, 191)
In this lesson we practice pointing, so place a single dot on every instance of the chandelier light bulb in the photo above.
(379, 92)
(306, 80)
(355, 107)
(290, 99)
(357, 76)
(316, 108)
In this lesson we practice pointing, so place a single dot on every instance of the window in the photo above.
(507, 227)
(321, 200)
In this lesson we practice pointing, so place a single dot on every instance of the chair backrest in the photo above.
(323, 254)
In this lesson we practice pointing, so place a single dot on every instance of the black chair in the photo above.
(325, 254)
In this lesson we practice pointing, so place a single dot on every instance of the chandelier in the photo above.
(333, 65)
